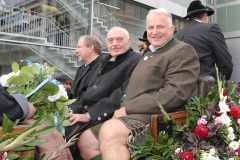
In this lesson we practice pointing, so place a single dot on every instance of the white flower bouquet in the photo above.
(48, 96)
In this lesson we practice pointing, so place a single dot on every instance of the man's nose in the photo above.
(115, 42)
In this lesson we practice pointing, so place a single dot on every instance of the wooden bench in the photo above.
(19, 129)
(205, 84)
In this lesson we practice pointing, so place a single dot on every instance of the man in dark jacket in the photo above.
(107, 85)
(15, 106)
(88, 51)
(208, 41)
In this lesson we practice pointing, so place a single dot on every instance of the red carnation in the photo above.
(225, 93)
(187, 155)
(235, 112)
(238, 151)
(201, 131)
(1, 156)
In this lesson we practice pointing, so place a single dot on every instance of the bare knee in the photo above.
(113, 132)
(88, 145)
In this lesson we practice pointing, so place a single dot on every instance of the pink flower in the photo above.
(202, 121)
(178, 150)
(218, 120)
(238, 121)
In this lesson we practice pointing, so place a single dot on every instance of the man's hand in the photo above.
(31, 112)
(119, 113)
(77, 118)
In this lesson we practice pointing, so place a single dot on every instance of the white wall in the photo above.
(234, 49)
(174, 8)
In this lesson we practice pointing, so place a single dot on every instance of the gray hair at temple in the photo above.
(162, 10)
(92, 40)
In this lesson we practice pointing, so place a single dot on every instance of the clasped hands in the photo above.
(75, 118)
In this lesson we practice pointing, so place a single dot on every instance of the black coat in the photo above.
(82, 78)
(208, 41)
(106, 88)
(15, 106)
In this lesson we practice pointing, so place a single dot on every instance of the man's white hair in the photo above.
(161, 10)
(123, 29)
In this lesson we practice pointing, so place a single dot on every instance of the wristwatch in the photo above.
(88, 116)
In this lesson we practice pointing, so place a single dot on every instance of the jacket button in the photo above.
(105, 114)
(99, 118)
(85, 106)
(95, 87)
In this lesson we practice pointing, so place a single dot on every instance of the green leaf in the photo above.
(13, 156)
(36, 143)
(60, 105)
(19, 89)
(7, 125)
(37, 123)
(51, 70)
(65, 111)
(21, 79)
(24, 148)
(50, 88)
(43, 131)
(25, 69)
(35, 69)
(69, 102)
(15, 67)
(63, 99)
(66, 123)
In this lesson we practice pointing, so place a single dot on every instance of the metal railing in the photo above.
(36, 25)
(80, 11)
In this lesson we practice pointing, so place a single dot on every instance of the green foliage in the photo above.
(27, 78)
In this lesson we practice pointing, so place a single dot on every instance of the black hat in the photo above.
(144, 37)
(196, 7)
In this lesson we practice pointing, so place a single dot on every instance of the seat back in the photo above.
(205, 84)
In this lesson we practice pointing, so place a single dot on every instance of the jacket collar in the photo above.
(167, 45)
(119, 57)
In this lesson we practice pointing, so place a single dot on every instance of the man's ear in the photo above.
(172, 29)
(205, 18)
(91, 47)
(129, 41)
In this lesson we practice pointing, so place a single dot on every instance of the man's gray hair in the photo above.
(89, 40)
(161, 10)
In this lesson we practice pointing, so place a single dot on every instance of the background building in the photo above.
(48, 30)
